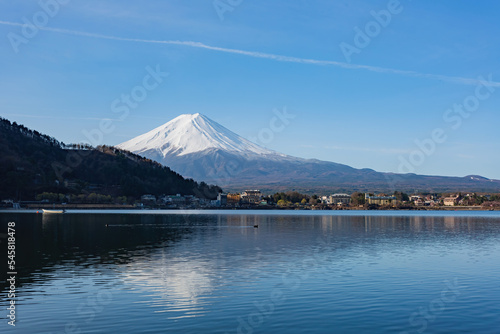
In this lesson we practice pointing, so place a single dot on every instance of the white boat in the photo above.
(52, 211)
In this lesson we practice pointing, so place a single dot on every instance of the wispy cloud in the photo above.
(275, 57)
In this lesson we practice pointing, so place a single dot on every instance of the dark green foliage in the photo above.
(290, 196)
(401, 196)
(358, 199)
(495, 198)
(32, 163)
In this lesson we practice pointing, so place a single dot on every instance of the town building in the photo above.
(174, 199)
(148, 198)
(222, 199)
(451, 201)
(340, 199)
(251, 196)
(419, 202)
(381, 200)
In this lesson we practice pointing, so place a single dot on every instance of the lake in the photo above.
(214, 272)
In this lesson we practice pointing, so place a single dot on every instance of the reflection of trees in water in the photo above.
(47, 241)
(340, 236)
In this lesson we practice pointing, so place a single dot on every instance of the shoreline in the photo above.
(245, 207)
(248, 207)
(90, 207)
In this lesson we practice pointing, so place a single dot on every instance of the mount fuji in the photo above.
(187, 134)
(197, 147)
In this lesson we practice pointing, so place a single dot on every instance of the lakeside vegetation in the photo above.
(403, 201)
(290, 200)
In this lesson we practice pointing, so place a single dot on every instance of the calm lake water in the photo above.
(213, 272)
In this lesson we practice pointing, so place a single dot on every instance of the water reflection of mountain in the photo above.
(227, 251)
(155, 243)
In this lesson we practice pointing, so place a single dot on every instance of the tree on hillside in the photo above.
(358, 199)
(401, 196)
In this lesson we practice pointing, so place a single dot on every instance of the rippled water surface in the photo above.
(213, 272)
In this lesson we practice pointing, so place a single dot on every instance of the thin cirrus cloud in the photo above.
(275, 57)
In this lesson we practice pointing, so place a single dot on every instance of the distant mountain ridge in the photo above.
(200, 148)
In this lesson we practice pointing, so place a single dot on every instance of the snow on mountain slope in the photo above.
(199, 148)
(187, 134)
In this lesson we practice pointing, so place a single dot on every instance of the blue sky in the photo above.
(366, 110)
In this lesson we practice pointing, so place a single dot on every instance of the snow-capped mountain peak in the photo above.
(191, 133)
(199, 148)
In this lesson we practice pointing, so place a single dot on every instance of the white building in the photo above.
(148, 198)
(340, 199)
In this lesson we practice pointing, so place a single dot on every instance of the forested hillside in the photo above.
(32, 163)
